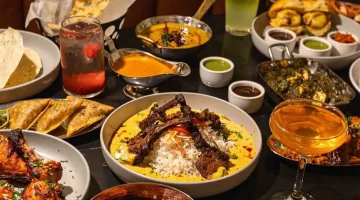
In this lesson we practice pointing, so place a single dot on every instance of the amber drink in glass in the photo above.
(82, 56)
(309, 128)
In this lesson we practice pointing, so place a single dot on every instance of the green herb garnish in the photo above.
(279, 145)
(122, 141)
(349, 119)
(238, 134)
(2, 182)
(26, 156)
(64, 161)
(152, 171)
(51, 184)
(78, 197)
(37, 163)
(234, 156)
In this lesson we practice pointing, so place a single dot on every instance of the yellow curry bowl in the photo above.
(141, 68)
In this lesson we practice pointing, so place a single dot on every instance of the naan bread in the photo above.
(89, 113)
(56, 114)
(24, 114)
(28, 68)
(11, 51)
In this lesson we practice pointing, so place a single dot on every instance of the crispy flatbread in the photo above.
(57, 114)
(28, 68)
(89, 113)
(25, 113)
(11, 51)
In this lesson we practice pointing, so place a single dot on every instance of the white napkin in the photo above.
(53, 12)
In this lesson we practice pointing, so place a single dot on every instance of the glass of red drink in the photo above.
(82, 56)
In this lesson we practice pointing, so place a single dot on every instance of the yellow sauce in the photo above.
(137, 65)
(193, 36)
(244, 148)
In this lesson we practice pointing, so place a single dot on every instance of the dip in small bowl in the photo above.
(344, 43)
(314, 46)
(216, 71)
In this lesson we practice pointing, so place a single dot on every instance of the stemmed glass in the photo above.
(309, 128)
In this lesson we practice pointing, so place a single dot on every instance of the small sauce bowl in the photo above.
(282, 36)
(343, 48)
(250, 104)
(324, 47)
(218, 74)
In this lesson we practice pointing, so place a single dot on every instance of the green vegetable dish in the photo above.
(304, 78)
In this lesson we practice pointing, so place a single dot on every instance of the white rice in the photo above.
(166, 159)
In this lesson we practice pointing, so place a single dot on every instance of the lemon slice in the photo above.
(4, 118)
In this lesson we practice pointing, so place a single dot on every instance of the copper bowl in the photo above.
(142, 191)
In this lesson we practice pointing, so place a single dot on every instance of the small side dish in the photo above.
(216, 71)
(247, 95)
(344, 43)
(281, 35)
(314, 46)
(347, 154)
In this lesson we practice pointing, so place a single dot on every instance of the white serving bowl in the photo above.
(50, 59)
(248, 104)
(343, 48)
(339, 22)
(195, 101)
(216, 79)
(354, 74)
(308, 52)
(289, 43)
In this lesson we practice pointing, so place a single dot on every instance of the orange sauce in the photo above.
(137, 66)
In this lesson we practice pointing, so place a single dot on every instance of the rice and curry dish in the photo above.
(174, 142)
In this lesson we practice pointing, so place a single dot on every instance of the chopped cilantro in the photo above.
(234, 156)
(64, 161)
(349, 119)
(279, 145)
(238, 134)
(152, 171)
(51, 184)
(223, 172)
(122, 141)
(2, 182)
(26, 156)
(37, 163)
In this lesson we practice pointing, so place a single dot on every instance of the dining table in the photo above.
(272, 174)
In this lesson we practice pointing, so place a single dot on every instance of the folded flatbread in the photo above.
(89, 113)
(24, 114)
(57, 114)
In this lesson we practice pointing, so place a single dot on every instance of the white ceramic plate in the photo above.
(50, 59)
(339, 22)
(354, 74)
(76, 174)
(195, 101)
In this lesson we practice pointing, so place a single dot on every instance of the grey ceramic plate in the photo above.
(76, 174)
(59, 132)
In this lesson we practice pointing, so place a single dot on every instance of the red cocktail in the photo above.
(82, 57)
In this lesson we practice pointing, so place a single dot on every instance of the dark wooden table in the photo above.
(272, 173)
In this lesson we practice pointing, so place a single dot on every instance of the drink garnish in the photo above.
(91, 50)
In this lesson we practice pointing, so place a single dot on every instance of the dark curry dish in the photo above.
(347, 154)
(303, 78)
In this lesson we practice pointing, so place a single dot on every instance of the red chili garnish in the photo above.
(181, 130)
(91, 50)
(343, 38)
(194, 120)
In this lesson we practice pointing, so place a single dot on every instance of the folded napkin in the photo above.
(52, 12)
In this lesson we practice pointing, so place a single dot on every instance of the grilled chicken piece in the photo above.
(11, 164)
(41, 190)
(142, 143)
(40, 169)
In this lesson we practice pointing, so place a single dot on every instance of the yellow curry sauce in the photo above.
(240, 155)
(138, 65)
(193, 36)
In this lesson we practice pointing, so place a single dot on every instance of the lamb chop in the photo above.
(42, 172)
